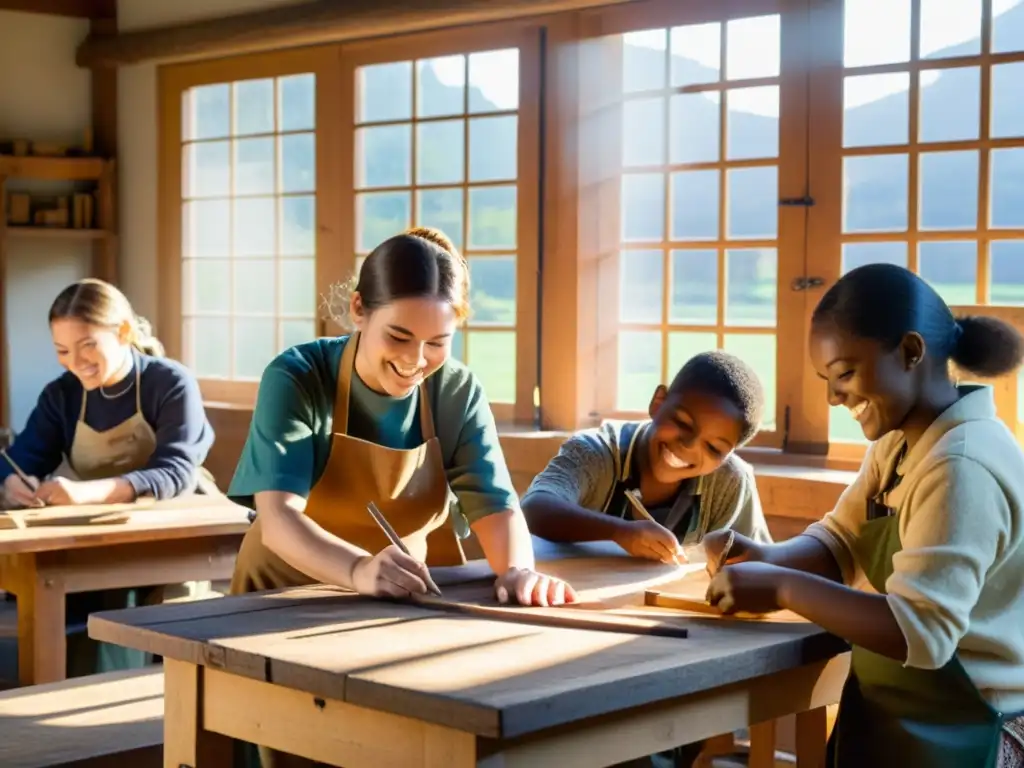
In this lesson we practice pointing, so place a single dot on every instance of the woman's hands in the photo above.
(18, 494)
(742, 550)
(389, 573)
(527, 587)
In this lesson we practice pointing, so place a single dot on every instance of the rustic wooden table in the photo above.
(362, 683)
(192, 538)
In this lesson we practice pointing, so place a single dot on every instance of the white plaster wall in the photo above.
(46, 97)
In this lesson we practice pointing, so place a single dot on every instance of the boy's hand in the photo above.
(742, 550)
(643, 538)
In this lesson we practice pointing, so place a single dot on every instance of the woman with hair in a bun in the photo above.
(382, 415)
(920, 565)
(123, 422)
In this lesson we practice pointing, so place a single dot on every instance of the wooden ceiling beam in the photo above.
(319, 21)
(83, 9)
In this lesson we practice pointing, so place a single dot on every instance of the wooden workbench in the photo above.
(193, 538)
(361, 683)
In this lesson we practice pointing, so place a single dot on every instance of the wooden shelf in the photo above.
(57, 233)
(53, 168)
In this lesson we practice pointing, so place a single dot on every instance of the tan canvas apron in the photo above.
(409, 486)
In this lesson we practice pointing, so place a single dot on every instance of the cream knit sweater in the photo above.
(958, 583)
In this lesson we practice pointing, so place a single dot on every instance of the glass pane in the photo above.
(1008, 188)
(380, 215)
(254, 166)
(949, 190)
(493, 154)
(694, 120)
(842, 427)
(254, 286)
(254, 107)
(696, 54)
(1006, 269)
(858, 254)
(441, 209)
(297, 287)
(293, 332)
(207, 169)
(639, 371)
(752, 47)
(298, 163)
(643, 206)
(492, 357)
(950, 104)
(207, 286)
(1007, 106)
(492, 295)
(207, 112)
(255, 227)
(950, 28)
(875, 190)
(862, 43)
(641, 284)
(298, 226)
(209, 346)
(384, 156)
(494, 80)
(683, 346)
(254, 347)
(876, 109)
(1007, 31)
(297, 102)
(459, 346)
(384, 92)
(441, 86)
(694, 299)
(695, 205)
(752, 122)
(492, 218)
(643, 132)
(751, 286)
(759, 352)
(753, 202)
(440, 152)
(951, 268)
(643, 60)
(206, 228)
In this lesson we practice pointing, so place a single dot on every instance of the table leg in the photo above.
(42, 645)
(811, 738)
(187, 744)
(762, 745)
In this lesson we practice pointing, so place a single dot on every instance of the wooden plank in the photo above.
(311, 23)
(690, 604)
(52, 168)
(62, 723)
(182, 518)
(76, 8)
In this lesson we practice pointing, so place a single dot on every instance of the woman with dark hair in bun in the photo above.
(383, 415)
(920, 565)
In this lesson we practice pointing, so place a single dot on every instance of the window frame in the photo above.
(173, 82)
(524, 35)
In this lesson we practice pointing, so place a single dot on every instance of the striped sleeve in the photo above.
(581, 473)
(733, 502)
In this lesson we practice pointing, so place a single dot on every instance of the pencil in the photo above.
(394, 539)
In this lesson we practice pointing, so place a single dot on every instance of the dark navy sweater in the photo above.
(171, 404)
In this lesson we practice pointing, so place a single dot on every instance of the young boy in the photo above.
(682, 462)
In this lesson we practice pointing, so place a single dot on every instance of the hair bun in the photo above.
(435, 236)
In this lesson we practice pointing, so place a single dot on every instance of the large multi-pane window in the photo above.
(933, 148)
(701, 171)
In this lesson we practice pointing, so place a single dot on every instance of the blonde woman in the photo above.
(122, 423)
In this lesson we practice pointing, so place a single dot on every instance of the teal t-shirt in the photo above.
(290, 435)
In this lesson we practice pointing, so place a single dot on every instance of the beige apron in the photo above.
(409, 486)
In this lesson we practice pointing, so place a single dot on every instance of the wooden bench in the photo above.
(99, 721)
